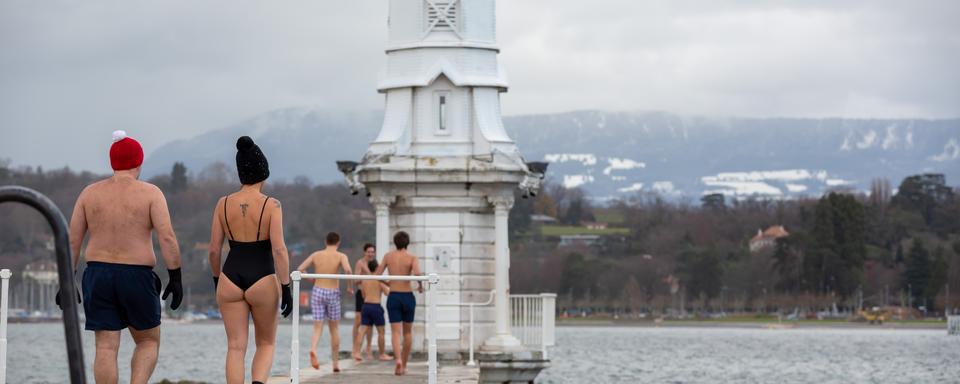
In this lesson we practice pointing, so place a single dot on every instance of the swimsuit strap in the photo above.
(261, 216)
(225, 216)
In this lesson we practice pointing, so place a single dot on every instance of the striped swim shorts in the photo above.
(325, 304)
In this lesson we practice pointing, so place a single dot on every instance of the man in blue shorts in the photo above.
(401, 304)
(371, 315)
(120, 289)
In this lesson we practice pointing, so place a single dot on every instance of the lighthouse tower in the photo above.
(443, 168)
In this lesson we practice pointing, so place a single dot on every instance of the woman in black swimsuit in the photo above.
(250, 282)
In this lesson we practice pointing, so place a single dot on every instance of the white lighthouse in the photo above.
(443, 168)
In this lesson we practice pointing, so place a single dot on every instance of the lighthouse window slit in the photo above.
(442, 115)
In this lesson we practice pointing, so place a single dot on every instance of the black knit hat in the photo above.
(252, 166)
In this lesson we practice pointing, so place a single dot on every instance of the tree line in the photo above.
(846, 248)
(885, 247)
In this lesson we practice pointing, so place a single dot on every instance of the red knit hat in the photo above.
(125, 153)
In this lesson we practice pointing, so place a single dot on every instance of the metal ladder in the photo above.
(71, 318)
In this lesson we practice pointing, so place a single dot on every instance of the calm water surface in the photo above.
(583, 355)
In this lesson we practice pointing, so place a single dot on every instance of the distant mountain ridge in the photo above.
(610, 154)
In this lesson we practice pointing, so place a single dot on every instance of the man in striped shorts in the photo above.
(325, 298)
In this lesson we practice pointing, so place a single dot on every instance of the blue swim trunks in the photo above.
(116, 296)
(372, 314)
(401, 307)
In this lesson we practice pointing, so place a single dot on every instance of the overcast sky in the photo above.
(73, 71)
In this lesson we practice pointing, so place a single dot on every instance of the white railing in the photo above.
(431, 280)
(472, 362)
(953, 325)
(4, 307)
(532, 320)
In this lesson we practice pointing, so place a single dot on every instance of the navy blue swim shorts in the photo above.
(401, 307)
(372, 314)
(116, 296)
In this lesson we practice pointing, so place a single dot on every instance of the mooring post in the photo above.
(4, 307)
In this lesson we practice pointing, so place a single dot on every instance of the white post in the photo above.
(432, 329)
(471, 362)
(294, 330)
(503, 340)
(549, 305)
(382, 205)
(4, 306)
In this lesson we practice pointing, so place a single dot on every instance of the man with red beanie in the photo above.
(120, 289)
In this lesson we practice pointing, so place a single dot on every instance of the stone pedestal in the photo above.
(511, 367)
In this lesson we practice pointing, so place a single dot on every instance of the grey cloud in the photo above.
(71, 72)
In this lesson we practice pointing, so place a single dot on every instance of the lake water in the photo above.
(583, 355)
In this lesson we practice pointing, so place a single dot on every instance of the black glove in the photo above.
(286, 300)
(174, 286)
(57, 298)
(216, 283)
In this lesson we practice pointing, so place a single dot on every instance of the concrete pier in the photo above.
(382, 372)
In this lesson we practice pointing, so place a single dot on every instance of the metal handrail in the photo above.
(431, 279)
(68, 289)
(472, 362)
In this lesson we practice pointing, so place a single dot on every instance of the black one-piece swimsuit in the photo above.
(248, 262)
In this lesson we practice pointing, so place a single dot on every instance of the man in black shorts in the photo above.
(120, 289)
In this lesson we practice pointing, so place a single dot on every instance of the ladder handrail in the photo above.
(68, 288)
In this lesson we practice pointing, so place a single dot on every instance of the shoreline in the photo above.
(753, 324)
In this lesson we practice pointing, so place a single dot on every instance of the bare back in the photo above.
(120, 214)
(400, 263)
(371, 291)
(328, 261)
(247, 217)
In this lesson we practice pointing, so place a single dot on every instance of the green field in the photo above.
(609, 215)
(565, 230)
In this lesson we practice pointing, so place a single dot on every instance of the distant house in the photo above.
(543, 219)
(594, 225)
(579, 240)
(364, 216)
(768, 238)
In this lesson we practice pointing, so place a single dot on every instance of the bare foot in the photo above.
(313, 360)
(398, 370)
(386, 357)
(336, 369)
(357, 357)
(369, 355)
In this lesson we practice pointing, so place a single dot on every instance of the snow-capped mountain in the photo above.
(610, 154)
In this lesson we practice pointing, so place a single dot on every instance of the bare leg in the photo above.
(395, 333)
(370, 344)
(264, 299)
(236, 313)
(382, 343)
(335, 343)
(358, 341)
(314, 341)
(407, 344)
(356, 331)
(105, 361)
(144, 355)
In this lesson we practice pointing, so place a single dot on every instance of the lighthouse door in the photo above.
(443, 238)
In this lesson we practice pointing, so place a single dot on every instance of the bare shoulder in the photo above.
(274, 202)
(151, 190)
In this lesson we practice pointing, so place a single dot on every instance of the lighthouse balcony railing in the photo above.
(430, 281)
(533, 320)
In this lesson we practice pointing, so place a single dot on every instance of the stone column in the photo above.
(503, 340)
(382, 206)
